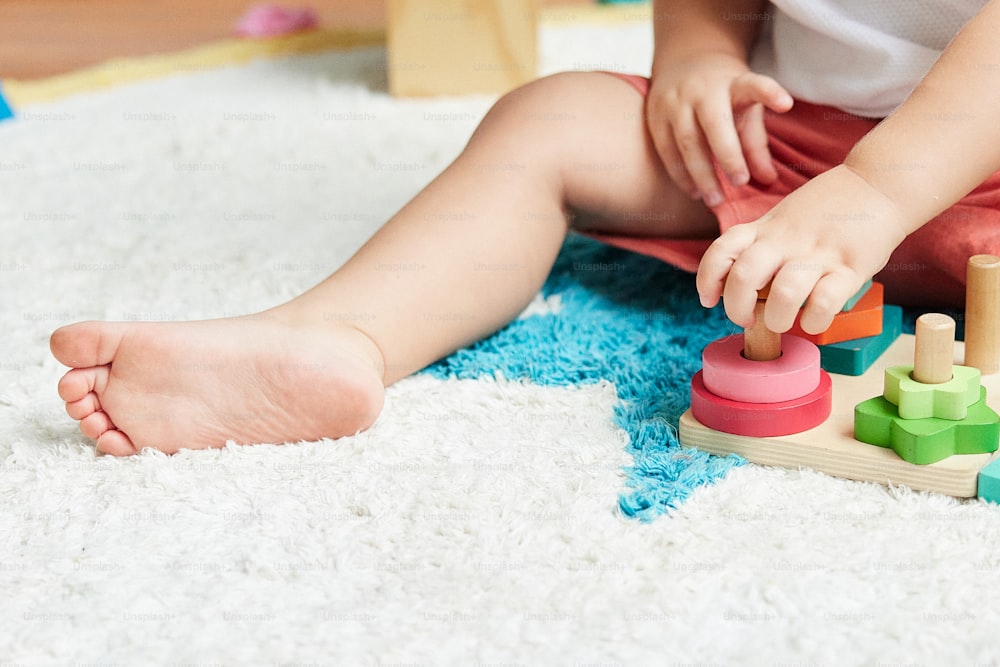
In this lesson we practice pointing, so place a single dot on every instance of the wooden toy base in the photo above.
(832, 449)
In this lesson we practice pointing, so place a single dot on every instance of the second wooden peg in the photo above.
(935, 345)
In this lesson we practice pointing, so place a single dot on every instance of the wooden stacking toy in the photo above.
(923, 420)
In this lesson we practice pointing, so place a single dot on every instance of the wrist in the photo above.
(884, 220)
(906, 213)
(684, 31)
(697, 53)
(697, 58)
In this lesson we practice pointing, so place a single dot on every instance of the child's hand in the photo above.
(820, 243)
(713, 106)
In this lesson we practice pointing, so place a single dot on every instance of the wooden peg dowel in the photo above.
(982, 313)
(935, 348)
(759, 342)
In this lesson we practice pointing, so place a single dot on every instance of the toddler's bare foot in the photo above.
(192, 385)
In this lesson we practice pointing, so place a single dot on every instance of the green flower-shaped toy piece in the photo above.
(947, 400)
(931, 439)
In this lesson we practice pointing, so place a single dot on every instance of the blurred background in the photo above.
(40, 38)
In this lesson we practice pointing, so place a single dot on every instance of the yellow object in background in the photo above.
(454, 47)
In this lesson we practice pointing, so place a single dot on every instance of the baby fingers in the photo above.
(827, 299)
(718, 261)
(717, 121)
(751, 88)
(694, 171)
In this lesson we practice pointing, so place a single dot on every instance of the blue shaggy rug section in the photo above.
(630, 320)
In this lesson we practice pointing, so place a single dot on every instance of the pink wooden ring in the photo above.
(729, 374)
(762, 420)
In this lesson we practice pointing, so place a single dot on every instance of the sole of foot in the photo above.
(201, 384)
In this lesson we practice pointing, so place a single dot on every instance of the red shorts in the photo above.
(927, 269)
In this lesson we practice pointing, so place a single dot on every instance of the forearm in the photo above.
(682, 28)
(945, 139)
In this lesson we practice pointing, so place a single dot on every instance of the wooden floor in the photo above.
(40, 38)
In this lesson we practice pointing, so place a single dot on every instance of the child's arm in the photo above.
(703, 100)
(826, 238)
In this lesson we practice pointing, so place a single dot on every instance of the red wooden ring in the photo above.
(762, 420)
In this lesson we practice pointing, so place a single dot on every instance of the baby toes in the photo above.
(79, 382)
(95, 425)
(83, 408)
(115, 443)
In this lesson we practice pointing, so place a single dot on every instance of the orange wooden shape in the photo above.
(864, 320)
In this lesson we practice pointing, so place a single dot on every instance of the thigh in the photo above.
(611, 178)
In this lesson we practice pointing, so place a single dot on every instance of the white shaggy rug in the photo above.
(477, 523)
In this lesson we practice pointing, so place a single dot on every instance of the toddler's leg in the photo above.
(471, 251)
(459, 261)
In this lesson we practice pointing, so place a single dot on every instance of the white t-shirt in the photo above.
(862, 56)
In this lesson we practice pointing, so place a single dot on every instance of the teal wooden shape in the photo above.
(922, 441)
(853, 301)
(946, 400)
(988, 487)
(855, 357)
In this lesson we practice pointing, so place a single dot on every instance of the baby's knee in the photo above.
(549, 98)
(545, 114)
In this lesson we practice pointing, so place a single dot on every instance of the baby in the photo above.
(761, 128)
